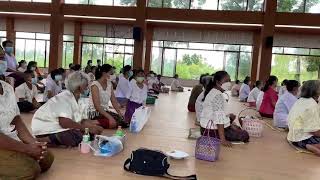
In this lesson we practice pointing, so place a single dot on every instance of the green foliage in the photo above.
(313, 65)
(295, 5)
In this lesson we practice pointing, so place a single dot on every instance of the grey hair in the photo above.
(76, 79)
(310, 89)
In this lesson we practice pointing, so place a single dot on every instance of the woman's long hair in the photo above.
(105, 68)
(217, 77)
(269, 82)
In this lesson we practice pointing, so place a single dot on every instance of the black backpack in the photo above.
(151, 163)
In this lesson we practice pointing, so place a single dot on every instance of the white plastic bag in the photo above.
(106, 146)
(139, 119)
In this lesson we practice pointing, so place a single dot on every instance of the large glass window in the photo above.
(296, 64)
(190, 60)
(3, 35)
(114, 51)
(104, 2)
(68, 46)
(234, 5)
(46, 1)
(300, 6)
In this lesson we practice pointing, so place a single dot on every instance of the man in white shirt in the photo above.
(175, 85)
(285, 103)
(53, 85)
(26, 94)
(123, 87)
(64, 117)
(254, 93)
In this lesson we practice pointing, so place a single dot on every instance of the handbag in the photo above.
(208, 148)
(151, 163)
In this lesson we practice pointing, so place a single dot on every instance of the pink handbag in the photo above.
(208, 148)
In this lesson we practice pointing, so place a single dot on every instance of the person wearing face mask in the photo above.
(100, 96)
(26, 94)
(53, 85)
(214, 108)
(244, 90)
(285, 103)
(28, 157)
(87, 69)
(113, 78)
(32, 66)
(303, 119)
(270, 97)
(22, 66)
(138, 95)
(123, 87)
(62, 120)
(153, 85)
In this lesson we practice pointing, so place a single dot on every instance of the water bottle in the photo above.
(86, 136)
(120, 132)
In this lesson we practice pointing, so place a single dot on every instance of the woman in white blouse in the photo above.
(138, 95)
(214, 105)
(176, 85)
(21, 156)
(63, 119)
(254, 93)
(123, 87)
(101, 94)
(244, 90)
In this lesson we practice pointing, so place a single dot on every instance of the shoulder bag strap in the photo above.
(126, 164)
(191, 177)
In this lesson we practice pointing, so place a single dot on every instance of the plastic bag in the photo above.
(139, 119)
(106, 146)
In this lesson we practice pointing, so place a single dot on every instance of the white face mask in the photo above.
(113, 77)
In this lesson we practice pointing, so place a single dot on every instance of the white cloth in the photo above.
(199, 106)
(244, 92)
(175, 85)
(46, 118)
(123, 88)
(253, 95)
(214, 109)
(137, 94)
(227, 86)
(8, 111)
(21, 69)
(235, 90)
(259, 100)
(104, 96)
(52, 86)
(282, 109)
(282, 90)
(303, 119)
(151, 82)
(23, 92)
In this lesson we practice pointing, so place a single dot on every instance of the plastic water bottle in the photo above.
(86, 136)
(119, 132)
(133, 126)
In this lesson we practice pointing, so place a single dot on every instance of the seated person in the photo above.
(26, 94)
(100, 96)
(214, 108)
(254, 93)
(235, 89)
(153, 84)
(282, 88)
(87, 69)
(21, 156)
(138, 95)
(176, 85)
(159, 83)
(62, 120)
(196, 91)
(284, 104)
(259, 100)
(303, 119)
(123, 87)
(244, 90)
(32, 66)
(92, 73)
(270, 97)
(22, 66)
(15, 76)
(53, 85)
(199, 103)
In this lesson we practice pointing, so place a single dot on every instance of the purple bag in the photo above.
(208, 148)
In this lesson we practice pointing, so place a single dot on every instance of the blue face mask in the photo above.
(58, 77)
(130, 74)
(85, 93)
(3, 67)
(8, 50)
(34, 80)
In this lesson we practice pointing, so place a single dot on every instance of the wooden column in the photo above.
(11, 34)
(265, 51)
(255, 56)
(149, 37)
(140, 45)
(56, 35)
(77, 43)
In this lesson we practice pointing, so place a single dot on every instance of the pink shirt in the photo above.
(266, 106)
